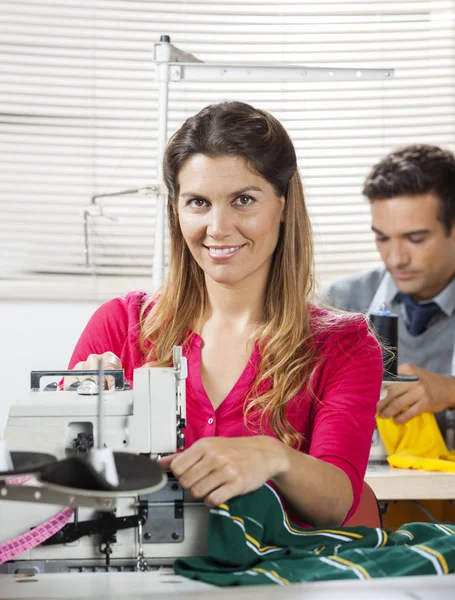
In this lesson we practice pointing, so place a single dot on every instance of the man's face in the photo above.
(413, 244)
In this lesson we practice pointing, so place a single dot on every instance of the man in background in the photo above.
(412, 199)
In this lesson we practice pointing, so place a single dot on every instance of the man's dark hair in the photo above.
(414, 170)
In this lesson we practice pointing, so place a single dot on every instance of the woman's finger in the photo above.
(110, 362)
(211, 482)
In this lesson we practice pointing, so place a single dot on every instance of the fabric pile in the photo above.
(252, 541)
(417, 444)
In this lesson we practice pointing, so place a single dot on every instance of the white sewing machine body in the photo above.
(146, 420)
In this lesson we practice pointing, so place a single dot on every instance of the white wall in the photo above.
(37, 335)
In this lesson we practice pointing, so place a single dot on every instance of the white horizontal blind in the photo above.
(78, 105)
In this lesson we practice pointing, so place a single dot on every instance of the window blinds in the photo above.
(78, 105)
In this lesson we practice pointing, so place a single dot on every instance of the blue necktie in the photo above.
(419, 315)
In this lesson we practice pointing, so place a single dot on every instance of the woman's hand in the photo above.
(219, 468)
(111, 362)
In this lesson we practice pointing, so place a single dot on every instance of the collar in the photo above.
(445, 299)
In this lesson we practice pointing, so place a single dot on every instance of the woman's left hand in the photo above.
(219, 468)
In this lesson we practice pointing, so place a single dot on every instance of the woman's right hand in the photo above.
(111, 362)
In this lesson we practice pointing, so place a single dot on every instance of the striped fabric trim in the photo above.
(251, 542)
(445, 529)
(406, 533)
(345, 536)
(222, 513)
(273, 575)
(382, 537)
(435, 557)
(346, 565)
(352, 565)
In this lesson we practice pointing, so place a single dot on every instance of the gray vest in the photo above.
(434, 349)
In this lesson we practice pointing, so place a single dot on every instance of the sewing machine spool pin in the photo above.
(181, 373)
(102, 458)
(385, 325)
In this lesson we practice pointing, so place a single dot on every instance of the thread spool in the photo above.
(385, 325)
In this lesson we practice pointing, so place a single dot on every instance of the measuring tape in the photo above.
(37, 535)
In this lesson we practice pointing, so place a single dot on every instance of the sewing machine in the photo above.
(149, 529)
(161, 525)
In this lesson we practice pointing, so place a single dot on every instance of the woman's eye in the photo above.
(245, 200)
(197, 203)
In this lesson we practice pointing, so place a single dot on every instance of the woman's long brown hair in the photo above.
(288, 356)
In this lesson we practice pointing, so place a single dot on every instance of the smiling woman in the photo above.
(277, 390)
(231, 223)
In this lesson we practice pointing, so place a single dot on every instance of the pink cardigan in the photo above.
(337, 422)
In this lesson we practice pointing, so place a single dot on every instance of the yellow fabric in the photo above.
(417, 444)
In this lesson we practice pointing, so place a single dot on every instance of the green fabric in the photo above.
(252, 541)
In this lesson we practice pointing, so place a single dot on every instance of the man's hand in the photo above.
(218, 469)
(432, 393)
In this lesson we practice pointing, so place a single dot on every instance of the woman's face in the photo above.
(230, 218)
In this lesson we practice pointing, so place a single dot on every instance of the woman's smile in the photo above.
(222, 253)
